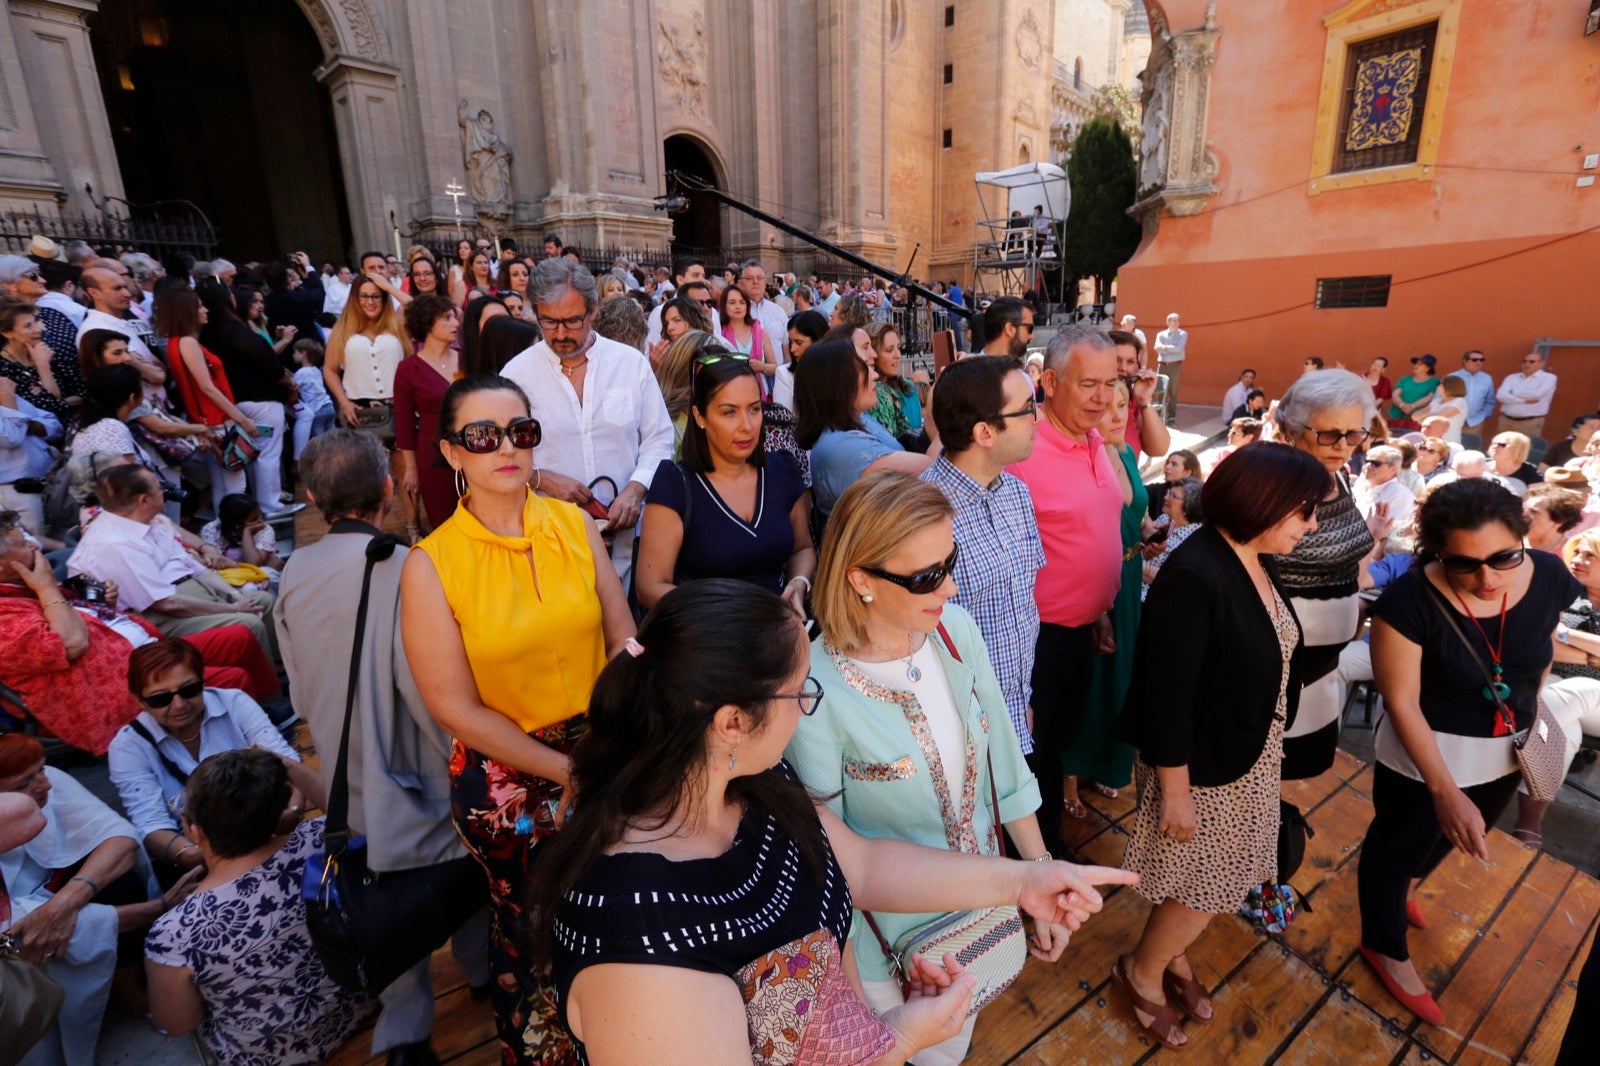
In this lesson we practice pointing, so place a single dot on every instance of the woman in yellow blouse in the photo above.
(507, 621)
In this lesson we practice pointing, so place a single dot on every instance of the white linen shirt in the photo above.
(93, 319)
(1234, 398)
(1172, 345)
(231, 721)
(621, 430)
(147, 562)
(1527, 395)
(1402, 503)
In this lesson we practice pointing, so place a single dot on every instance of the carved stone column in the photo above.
(1177, 167)
(368, 114)
(54, 108)
(854, 141)
(26, 176)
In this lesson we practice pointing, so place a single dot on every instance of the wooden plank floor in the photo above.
(1502, 953)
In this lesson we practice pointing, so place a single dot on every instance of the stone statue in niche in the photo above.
(488, 161)
(1153, 138)
(682, 55)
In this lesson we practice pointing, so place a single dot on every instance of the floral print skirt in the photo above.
(501, 813)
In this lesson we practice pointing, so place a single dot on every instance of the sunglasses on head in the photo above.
(1509, 559)
(923, 581)
(164, 699)
(481, 438)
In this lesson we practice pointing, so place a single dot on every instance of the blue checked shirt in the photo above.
(1000, 558)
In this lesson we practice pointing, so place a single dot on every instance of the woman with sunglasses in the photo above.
(691, 820)
(912, 739)
(729, 509)
(419, 384)
(1508, 463)
(1433, 458)
(181, 721)
(1214, 681)
(1327, 414)
(1475, 602)
(507, 620)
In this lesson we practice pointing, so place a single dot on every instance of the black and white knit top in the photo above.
(1325, 565)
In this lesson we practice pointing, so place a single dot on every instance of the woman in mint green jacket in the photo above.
(912, 739)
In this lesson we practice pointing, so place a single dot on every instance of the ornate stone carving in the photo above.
(682, 55)
(369, 39)
(1157, 111)
(348, 26)
(1177, 166)
(1030, 46)
(488, 161)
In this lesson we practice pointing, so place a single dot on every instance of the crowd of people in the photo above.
(715, 628)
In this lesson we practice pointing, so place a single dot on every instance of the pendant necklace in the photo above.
(571, 370)
(913, 674)
(1498, 691)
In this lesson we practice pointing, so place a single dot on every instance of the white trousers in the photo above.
(266, 473)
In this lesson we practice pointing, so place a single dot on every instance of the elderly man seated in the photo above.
(67, 656)
(181, 721)
(132, 544)
(1379, 486)
(75, 897)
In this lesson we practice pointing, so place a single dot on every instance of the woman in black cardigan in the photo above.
(1213, 686)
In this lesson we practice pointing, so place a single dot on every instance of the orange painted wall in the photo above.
(1501, 215)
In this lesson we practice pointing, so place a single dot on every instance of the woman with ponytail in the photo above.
(697, 879)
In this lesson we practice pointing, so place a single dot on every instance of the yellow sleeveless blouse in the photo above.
(533, 634)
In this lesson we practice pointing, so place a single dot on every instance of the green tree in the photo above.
(1099, 234)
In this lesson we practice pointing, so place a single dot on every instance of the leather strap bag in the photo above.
(988, 942)
(368, 928)
(29, 1003)
(1541, 750)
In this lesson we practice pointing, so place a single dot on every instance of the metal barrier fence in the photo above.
(156, 234)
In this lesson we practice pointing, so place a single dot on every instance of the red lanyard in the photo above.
(1498, 692)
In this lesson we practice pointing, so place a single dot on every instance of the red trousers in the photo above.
(234, 659)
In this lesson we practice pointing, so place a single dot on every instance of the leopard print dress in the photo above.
(1235, 845)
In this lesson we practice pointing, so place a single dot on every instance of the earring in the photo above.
(461, 483)
(732, 756)
(867, 598)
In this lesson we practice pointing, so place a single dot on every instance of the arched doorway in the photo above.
(216, 104)
(698, 229)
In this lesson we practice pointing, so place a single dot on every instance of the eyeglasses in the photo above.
(1025, 325)
(1378, 462)
(810, 696)
(550, 325)
(1509, 559)
(1032, 409)
(1353, 437)
(164, 699)
(923, 581)
(375, 297)
(481, 438)
(33, 275)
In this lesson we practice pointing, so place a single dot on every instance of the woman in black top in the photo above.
(698, 870)
(1446, 768)
(1214, 682)
(260, 382)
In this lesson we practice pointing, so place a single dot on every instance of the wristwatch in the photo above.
(1563, 634)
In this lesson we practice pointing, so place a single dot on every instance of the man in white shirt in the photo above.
(1234, 398)
(830, 297)
(597, 402)
(109, 301)
(774, 323)
(1130, 324)
(1379, 486)
(685, 270)
(336, 291)
(1172, 346)
(1525, 397)
(132, 544)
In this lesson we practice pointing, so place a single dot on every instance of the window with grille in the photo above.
(1371, 290)
(1385, 96)
(950, 15)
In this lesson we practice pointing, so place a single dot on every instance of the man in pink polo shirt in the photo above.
(1078, 505)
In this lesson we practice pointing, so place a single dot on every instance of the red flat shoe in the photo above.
(1414, 917)
(1422, 1005)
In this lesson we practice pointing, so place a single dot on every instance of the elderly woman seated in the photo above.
(66, 652)
(76, 897)
(182, 721)
(1184, 516)
(255, 990)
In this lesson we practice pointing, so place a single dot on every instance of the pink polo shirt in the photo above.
(1078, 504)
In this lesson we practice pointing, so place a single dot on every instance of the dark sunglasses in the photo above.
(164, 699)
(1509, 559)
(481, 438)
(923, 581)
(33, 275)
(1353, 437)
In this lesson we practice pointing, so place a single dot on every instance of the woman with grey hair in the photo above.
(1328, 414)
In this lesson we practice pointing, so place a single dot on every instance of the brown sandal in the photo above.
(1163, 1021)
(1189, 994)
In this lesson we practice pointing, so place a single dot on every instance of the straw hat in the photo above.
(43, 248)
(1566, 478)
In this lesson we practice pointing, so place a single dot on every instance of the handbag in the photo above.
(172, 450)
(1541, 750)
(988, 942)
(1292, 832)
(368, 927)
(29, 1002)
(237, 449)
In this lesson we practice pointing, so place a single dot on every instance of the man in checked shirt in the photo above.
(986, 418)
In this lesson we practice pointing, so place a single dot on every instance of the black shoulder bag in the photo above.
(368, 927)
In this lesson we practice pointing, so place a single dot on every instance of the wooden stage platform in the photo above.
(1502, 953)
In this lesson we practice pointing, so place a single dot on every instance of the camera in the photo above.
(86, 589)
(173, 493)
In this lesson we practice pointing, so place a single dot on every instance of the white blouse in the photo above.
(932, 690)
(369, 366)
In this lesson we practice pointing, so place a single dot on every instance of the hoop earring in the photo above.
(461, 483)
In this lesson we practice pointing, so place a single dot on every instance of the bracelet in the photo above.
(52, 603)
(90, 883)
(802, 577)
(1046, 857)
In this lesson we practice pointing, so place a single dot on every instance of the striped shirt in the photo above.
(1001, 557)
